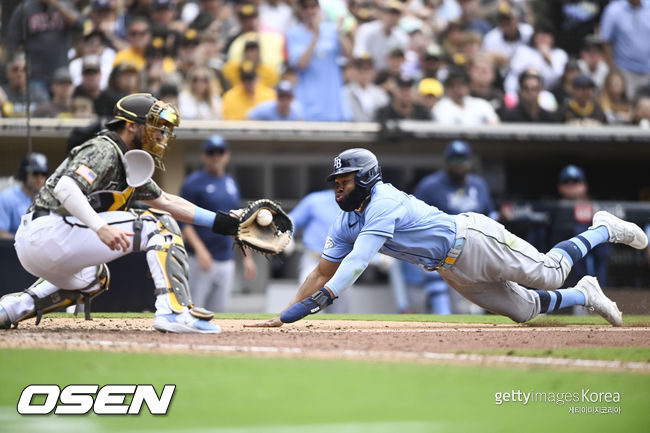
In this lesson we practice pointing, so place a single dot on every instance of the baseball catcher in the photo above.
(81, 220)
(476, 255)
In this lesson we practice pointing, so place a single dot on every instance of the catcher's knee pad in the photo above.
(64, 298)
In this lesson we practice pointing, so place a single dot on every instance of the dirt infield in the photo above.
(368, 340)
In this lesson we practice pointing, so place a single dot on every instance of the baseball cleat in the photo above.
(595, 300)
(184, 323)
(621, 232)
(5, 322)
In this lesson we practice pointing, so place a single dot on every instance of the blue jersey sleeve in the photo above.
(5, 213)
(382, 216)
(339, 240)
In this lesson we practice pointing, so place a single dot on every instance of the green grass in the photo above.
(637, 354)
(552, 320)
(237, 394)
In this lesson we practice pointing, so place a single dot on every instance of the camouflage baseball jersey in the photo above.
(97, 168)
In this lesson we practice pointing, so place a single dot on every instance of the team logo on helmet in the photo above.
(337, 163)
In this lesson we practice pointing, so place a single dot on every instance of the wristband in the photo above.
(203, 217)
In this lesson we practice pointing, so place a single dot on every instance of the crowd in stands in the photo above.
(464, 62)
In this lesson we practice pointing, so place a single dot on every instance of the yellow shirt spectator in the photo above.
(266, 74)
(237, 101)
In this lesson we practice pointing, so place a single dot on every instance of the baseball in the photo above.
(264, 217)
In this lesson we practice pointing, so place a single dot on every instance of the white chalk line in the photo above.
(471, 358)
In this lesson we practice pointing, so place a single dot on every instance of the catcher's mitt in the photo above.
(269, 239)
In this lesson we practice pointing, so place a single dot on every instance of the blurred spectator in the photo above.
(541, 55)
(313, 48)
(284, 107)
(216, 14)
(432, 63)
(642, 112)
(430, 91)
(200, 99)
(93, 42)
(453, 190)
(169, 93)
(394, 61)
(82, 108)
(266, 74)
(187, 53)
(528, 108)
(91, 74)
(363, 96)
(381, 36)
(211, 262)
(245, 95)
(49, 25)
(164, 23)
(563, 89)
(14, 201)
(15, 91)
(458, 107)
(61, 103)
(124, 80)
(502, 41)
(104, 18)
(404, 104)
(625, 27)
(138, 37)
(272, 44)
(613, 98)
(582, 107)
(470, 19)
(157, 54)
(482, 77)
(275, 15)
(572, 187)
(591, 61)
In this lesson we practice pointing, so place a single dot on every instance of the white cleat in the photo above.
(595, 300)
(184, 323)
(621, 232)
(5, 322)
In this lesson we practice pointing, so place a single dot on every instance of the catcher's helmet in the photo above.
(32, 163)
(361, 161)
(154, 114)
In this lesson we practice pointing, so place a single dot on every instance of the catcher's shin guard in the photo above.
(64, 298)
(172, 258)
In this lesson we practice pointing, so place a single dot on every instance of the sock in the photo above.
(577, 247)
(438, 293)
(553, 300)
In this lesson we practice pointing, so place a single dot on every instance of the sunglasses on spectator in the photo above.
(90, 71)
(531, 89)
(18, 69)
(571, 181)
(213, 152)
(196, 79)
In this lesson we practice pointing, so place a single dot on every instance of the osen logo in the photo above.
(108, 400)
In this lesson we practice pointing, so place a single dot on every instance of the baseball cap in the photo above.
(458, 148)
(284, 87)
(124, 67)
(433, 51)
(101, 5)
(247, 10)
(90, 62)
(190, 37)
(62, 75)
(592, 41)
(393, 6)
(430, 86)
(363, 59)
(456, 73)
(583, 81)
(396, 52)
(251, 43)
(163, 4)
(571, 172)
(247, 70)
(213, 143)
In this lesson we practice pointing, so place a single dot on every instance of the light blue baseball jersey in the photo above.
(315, 214)
(394, 223)
(13, 205)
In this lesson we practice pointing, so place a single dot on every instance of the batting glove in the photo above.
(307, 306)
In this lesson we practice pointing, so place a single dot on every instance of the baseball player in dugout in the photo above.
(476, 255)
(81, 220)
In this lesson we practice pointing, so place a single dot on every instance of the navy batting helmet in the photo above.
(361, 161)
(32, 163)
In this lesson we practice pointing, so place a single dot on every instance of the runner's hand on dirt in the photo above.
(271, 323)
